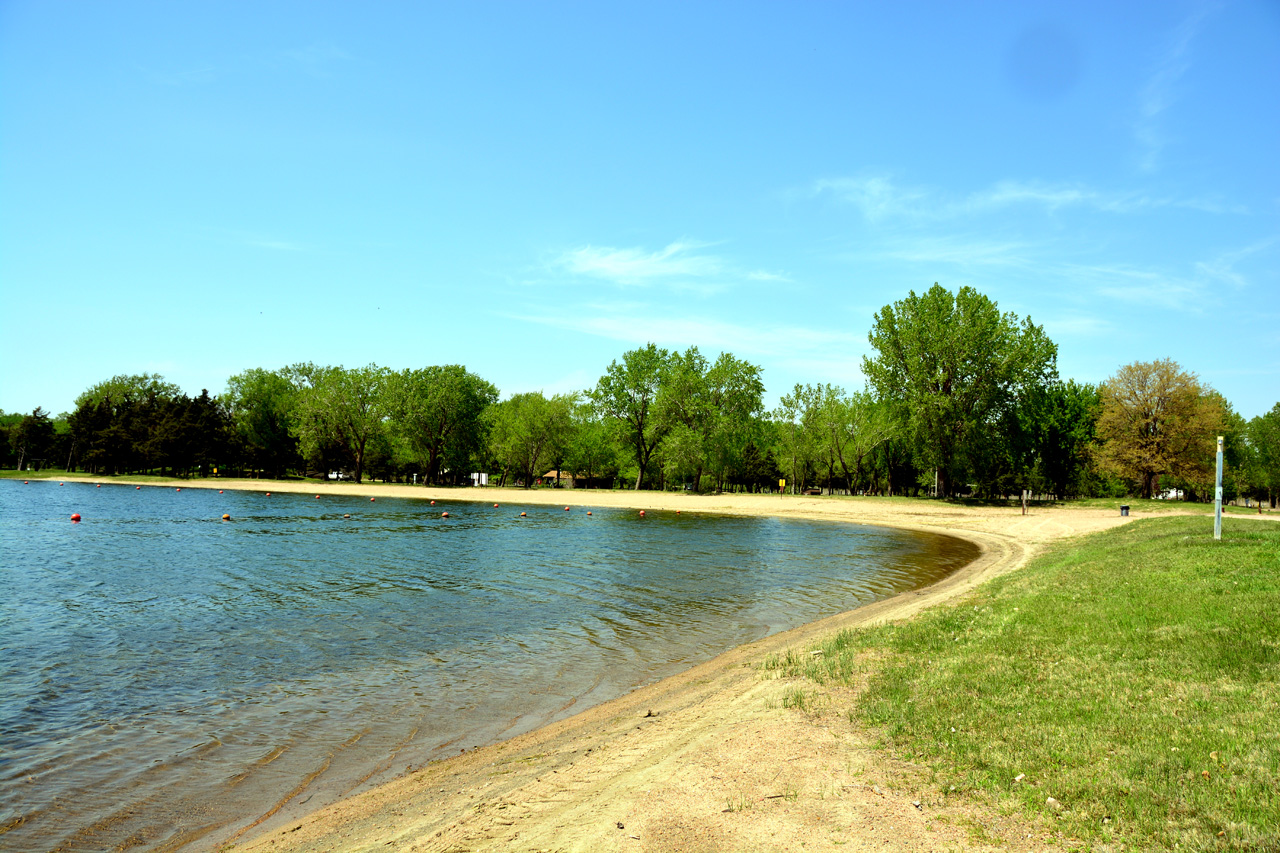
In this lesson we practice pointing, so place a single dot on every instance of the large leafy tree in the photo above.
(1263, 434)
(339, 406)
(263, 406)
(130, 387)
(630, 396)
(438, 413)
(1157, 419)
(797, 432)
(32, 437)
(957, 365)
(529, 431)
(714, 410)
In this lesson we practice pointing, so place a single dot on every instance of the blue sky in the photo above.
(531, 189)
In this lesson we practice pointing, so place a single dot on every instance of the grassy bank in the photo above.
(1131, 676)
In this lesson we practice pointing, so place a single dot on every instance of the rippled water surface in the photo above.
(168, 678)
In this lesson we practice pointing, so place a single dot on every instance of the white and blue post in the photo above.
(1217, 496)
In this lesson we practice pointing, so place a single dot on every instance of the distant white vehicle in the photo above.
(337, 475)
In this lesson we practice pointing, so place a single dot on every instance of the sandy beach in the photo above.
(707, 760)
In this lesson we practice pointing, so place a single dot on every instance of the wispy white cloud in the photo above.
(1080, 326)
(1159, 93)
(880, 199)
(636, 266)
(1136, 286)
(761, 275)
(960, 250)
(1222, 268)
(877, 196)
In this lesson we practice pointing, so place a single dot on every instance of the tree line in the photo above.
(960, 399)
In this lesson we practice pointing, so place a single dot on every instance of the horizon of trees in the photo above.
(960, 400)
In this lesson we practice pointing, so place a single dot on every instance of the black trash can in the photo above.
(1124, 509)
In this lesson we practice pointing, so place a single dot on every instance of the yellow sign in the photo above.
(782, 484)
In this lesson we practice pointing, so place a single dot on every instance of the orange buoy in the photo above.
(588, 512)
(444, 515)
(75, 516)
(523, 514)
(226, 517)
(677, 512)
(346, 515)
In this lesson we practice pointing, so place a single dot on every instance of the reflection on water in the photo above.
(167, 677)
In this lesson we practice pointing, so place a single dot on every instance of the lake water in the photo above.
(167, 677)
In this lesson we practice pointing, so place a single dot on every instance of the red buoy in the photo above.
(75, 516)
(268, 494)
(99, 486)
(495, 506)
(317, 497)
(641, 512)
(566, 509)
(372, 499)
(139, 488)
(433, 503)
(219, 491)
(179, 489)
(444, 515)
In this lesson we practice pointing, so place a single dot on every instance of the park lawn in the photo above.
(1130, 675)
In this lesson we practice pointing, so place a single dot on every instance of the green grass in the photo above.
(1131, 675)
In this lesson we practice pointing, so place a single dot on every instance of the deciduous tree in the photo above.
(629, 396)
(342, 406)
(957, 364)
(1157, 419)
(437, 412)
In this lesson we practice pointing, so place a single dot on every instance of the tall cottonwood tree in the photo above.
(714, 411)
(1263, 436)
(346, 407)
(957, 364)
(528, 431)
(630, 396)
(263, 406)
(438, 412)
(1157, 419)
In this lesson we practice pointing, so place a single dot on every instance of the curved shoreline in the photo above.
(557, 786)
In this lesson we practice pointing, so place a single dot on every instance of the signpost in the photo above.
(1217, 496)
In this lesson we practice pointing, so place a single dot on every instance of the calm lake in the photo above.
(167, 677)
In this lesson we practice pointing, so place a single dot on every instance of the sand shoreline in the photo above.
(663, 760)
